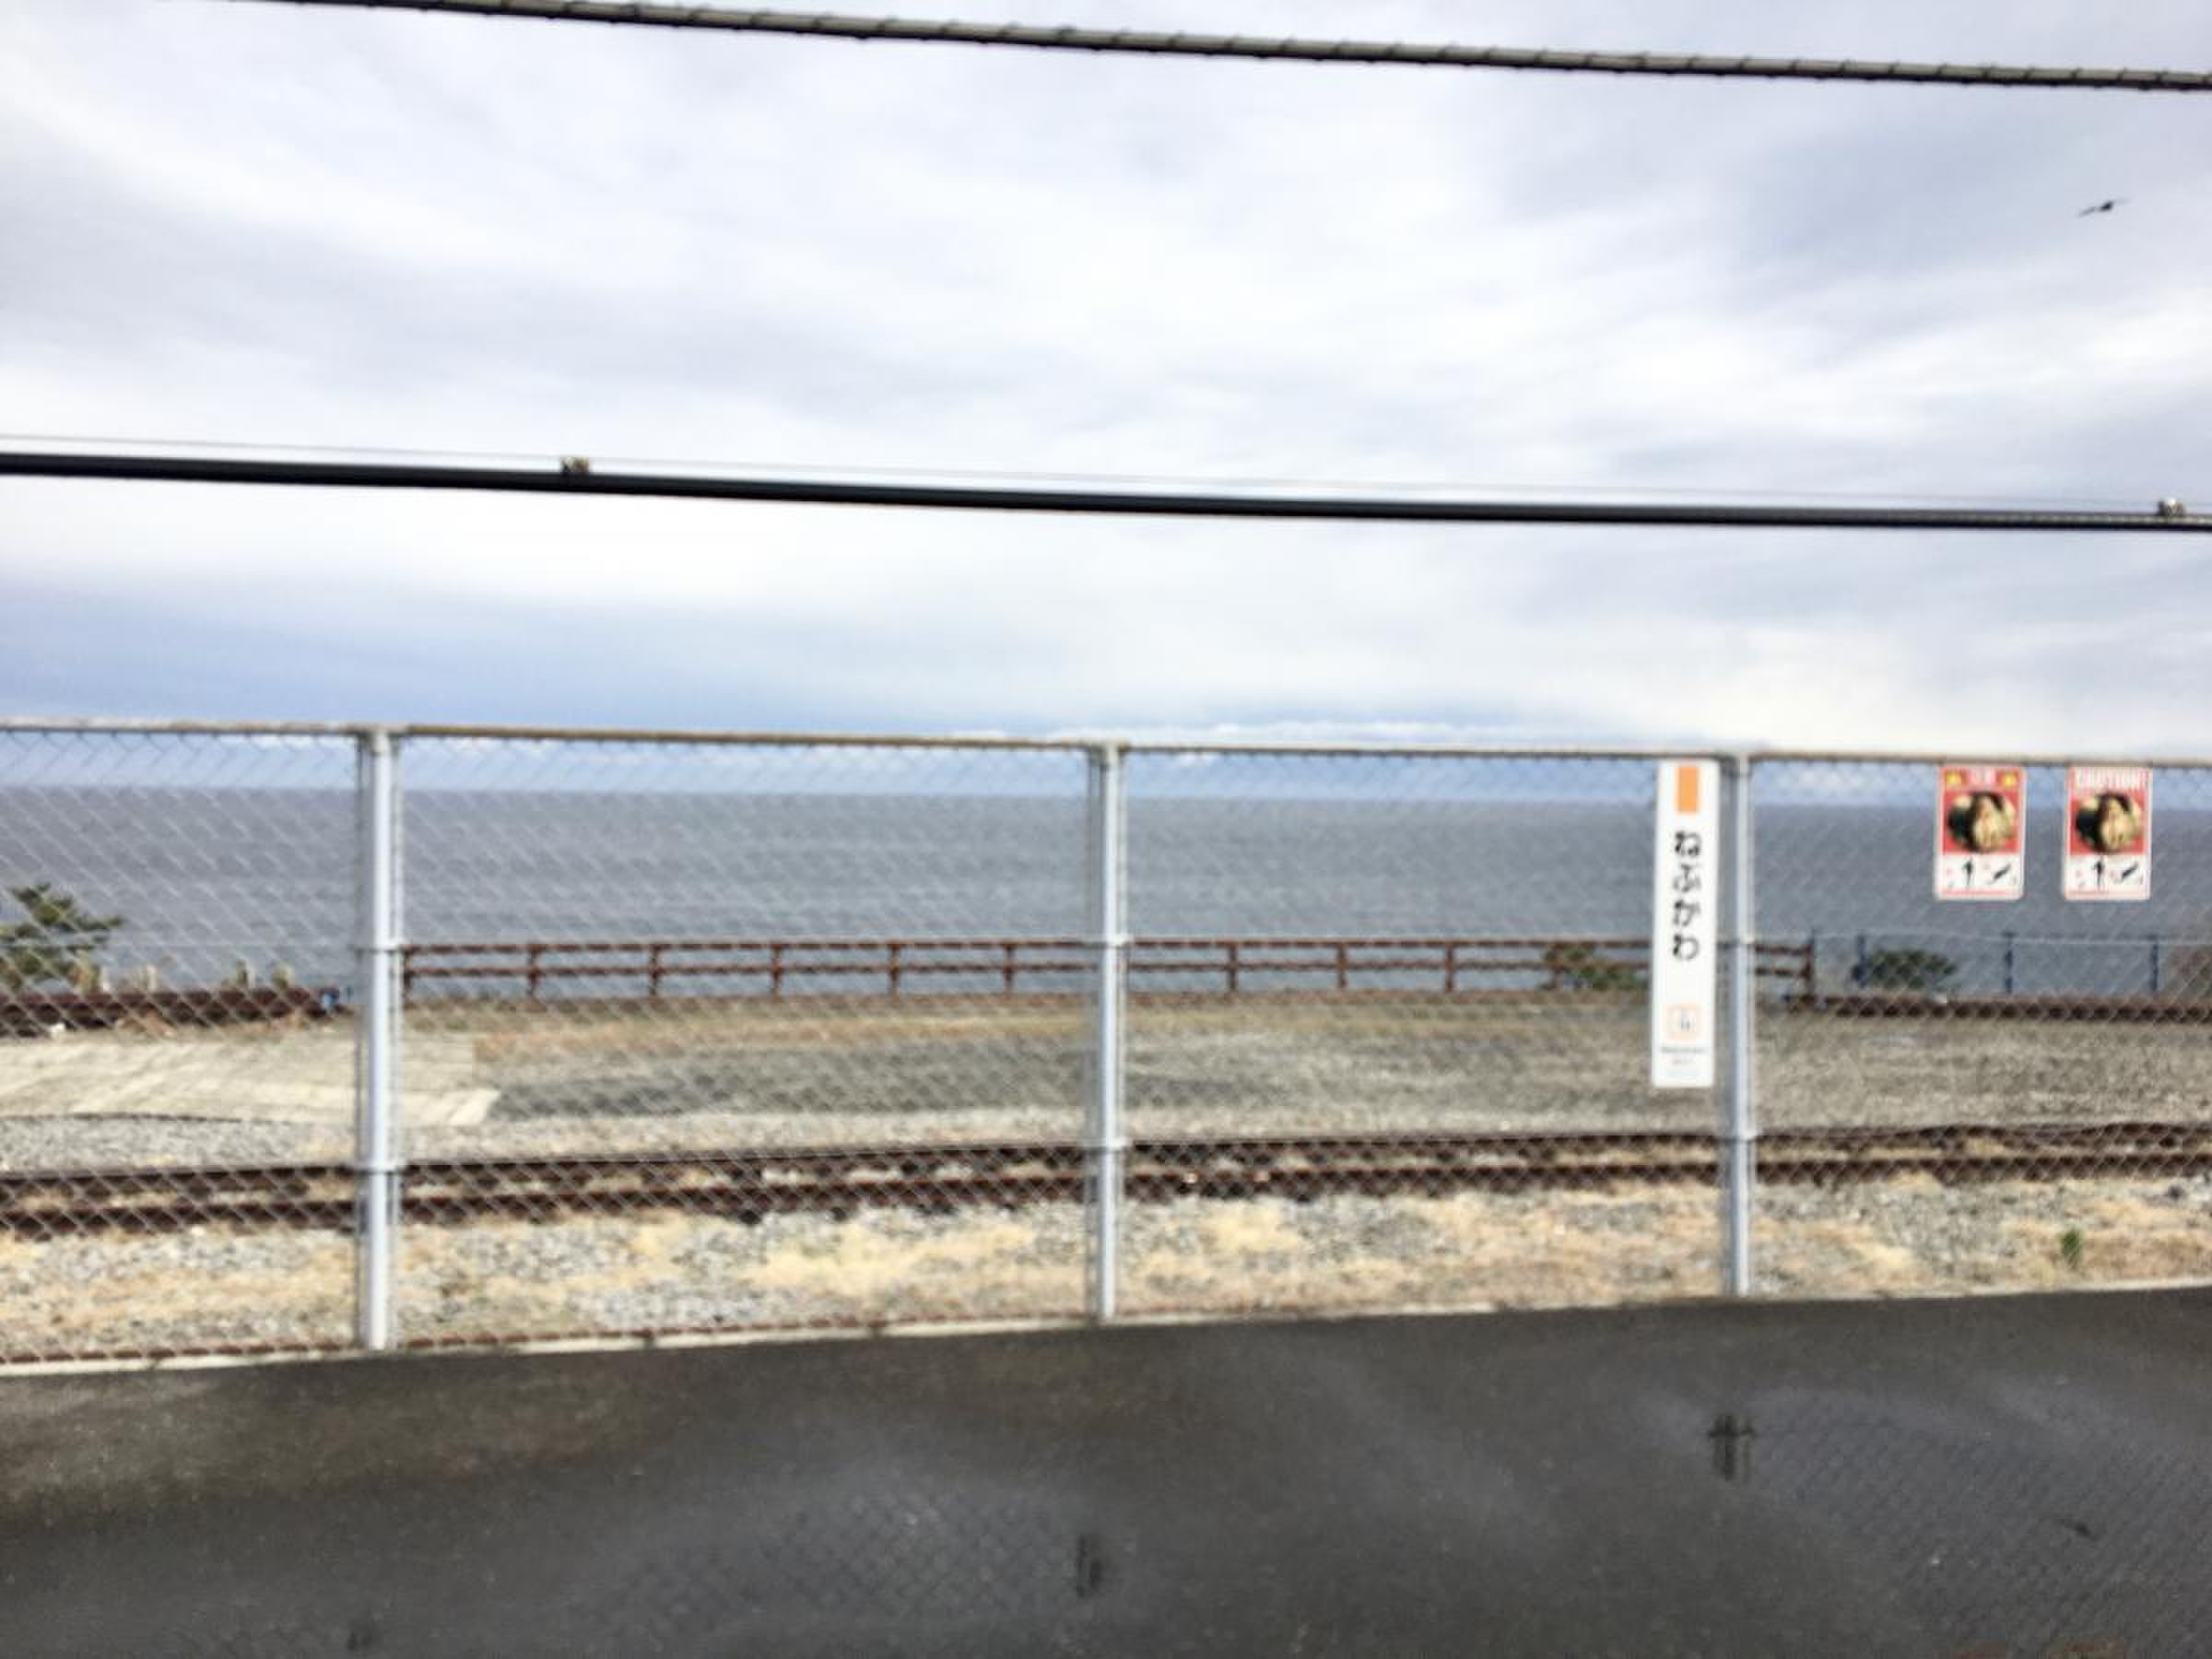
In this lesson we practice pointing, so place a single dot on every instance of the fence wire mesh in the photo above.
(1960, 1095)
(176, 1045)
(1388, 1037)
(759, 1036)
(704, 1035)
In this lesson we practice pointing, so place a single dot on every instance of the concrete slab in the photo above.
(246, 1076)
(2011, 1477)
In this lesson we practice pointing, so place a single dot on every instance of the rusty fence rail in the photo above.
(1233, 967)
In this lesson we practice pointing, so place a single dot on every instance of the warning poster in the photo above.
(2108, 832)
(1980, 832)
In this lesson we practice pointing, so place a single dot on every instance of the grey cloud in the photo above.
(248, 221)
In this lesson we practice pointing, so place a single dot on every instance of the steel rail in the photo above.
(1166, 43)
(748, 1186)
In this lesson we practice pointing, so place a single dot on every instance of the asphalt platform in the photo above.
(2027, 1475)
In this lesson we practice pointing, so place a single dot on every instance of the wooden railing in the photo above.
(892, 968)
(37, 1011)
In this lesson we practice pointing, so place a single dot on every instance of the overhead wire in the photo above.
(1182, 43)
(577, 476)
(835, 485)
(1203, 483)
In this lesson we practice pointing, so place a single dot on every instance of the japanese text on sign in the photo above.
(1683, 923)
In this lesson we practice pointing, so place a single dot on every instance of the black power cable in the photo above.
(1159, 44)
(575, 477)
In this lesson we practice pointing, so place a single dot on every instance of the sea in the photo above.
(208, 879)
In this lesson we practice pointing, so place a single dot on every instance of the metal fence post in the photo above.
(1105, 1141)
(377, 1036)
(1741, 1132)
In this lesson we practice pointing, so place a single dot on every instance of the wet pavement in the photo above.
(1998, 1476)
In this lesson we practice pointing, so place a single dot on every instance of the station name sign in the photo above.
(1684, 909)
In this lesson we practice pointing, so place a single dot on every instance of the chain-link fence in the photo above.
(1387, 1037)
(312, 1037)
(2006, 1094)
(177, 1057)
(785, 1034)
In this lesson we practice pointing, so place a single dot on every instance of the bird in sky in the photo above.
(2101, 208)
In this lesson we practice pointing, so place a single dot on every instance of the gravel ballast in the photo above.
(723, 1077)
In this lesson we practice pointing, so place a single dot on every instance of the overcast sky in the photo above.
(269, 224)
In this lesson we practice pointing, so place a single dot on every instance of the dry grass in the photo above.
(673, 1271)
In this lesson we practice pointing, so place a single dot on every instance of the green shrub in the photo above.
(1904, 970)
(56, 944)
(2187, 969)
(1573, 965)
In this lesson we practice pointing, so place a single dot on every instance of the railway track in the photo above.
(748, 1186)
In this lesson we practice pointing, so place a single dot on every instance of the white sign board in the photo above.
(2108, 832)
(1685, 904)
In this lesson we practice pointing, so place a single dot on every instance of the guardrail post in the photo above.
(1105, 1142)
(1741, 1132)
(377, 1038)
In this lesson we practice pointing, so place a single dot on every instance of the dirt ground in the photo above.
(496, 1077)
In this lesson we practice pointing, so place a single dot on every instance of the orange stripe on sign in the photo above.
(1686, 789)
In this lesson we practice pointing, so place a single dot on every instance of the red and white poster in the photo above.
(1980, 832)
(2108, 832)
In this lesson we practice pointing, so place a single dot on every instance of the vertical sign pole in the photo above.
(1686, 942)
(376, 1171)
(1743, 986)
(1106, 1143)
